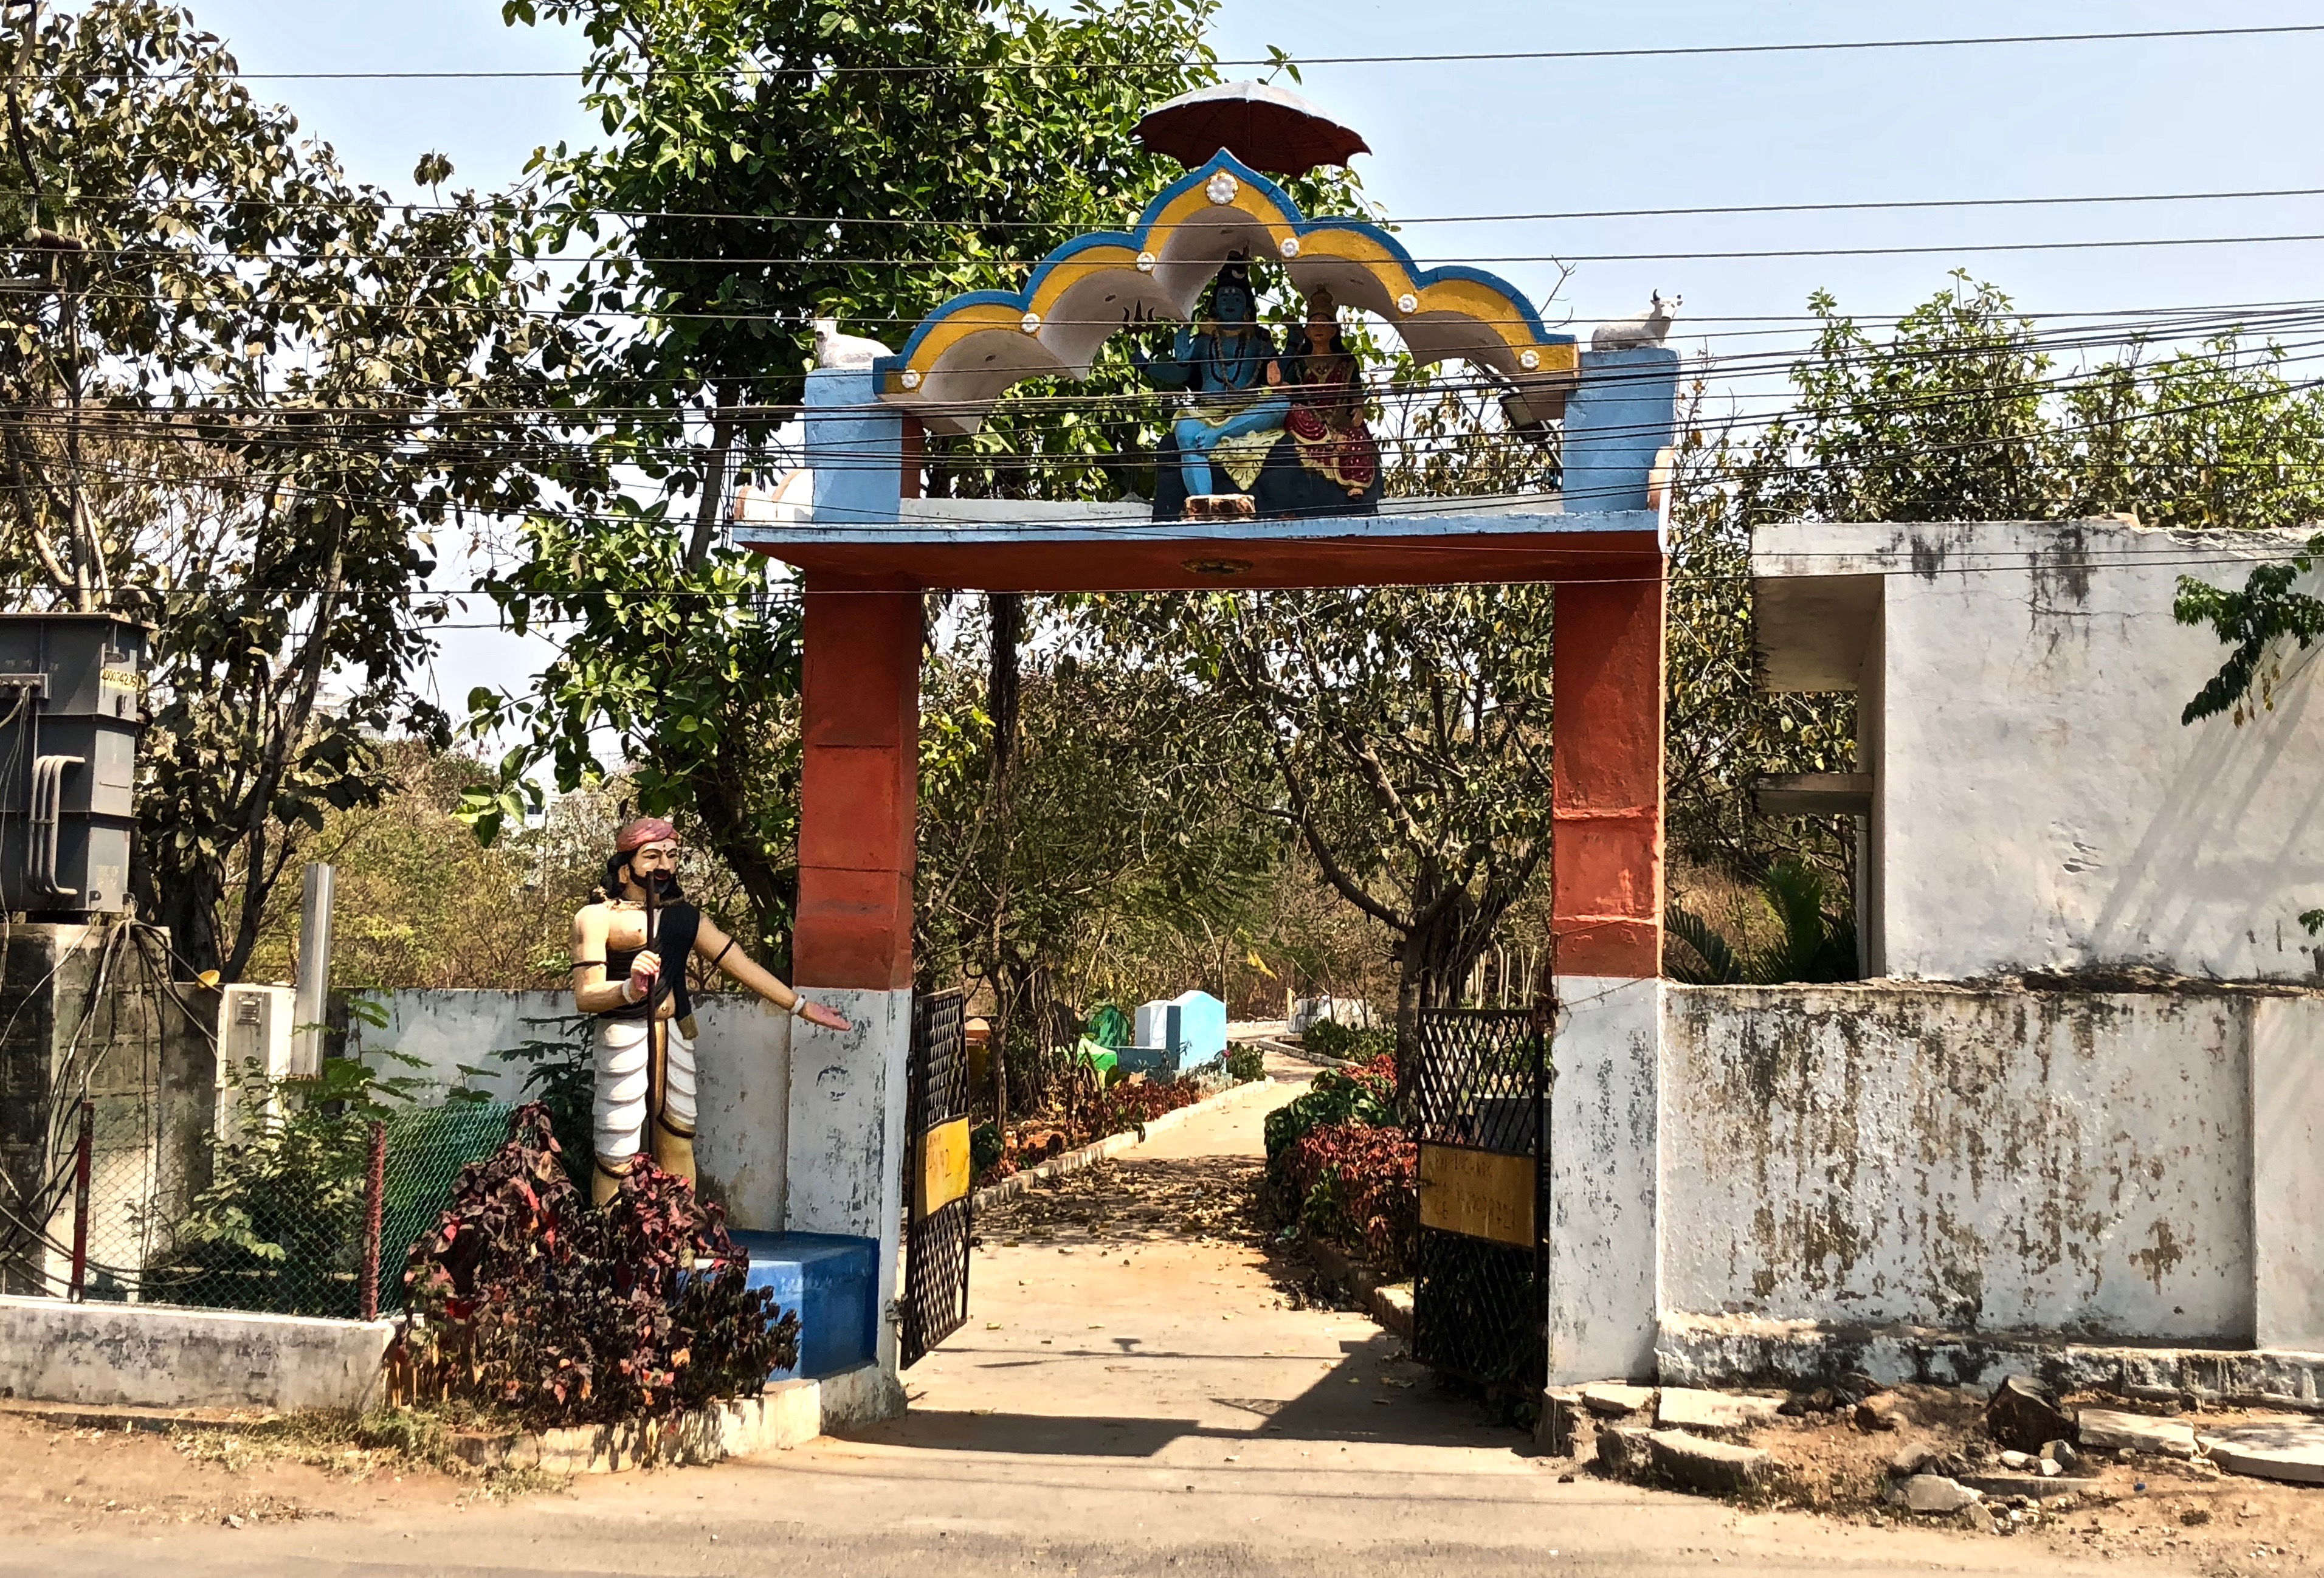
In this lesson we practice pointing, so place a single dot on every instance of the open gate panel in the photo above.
(938, 1176)
(1480, 1110)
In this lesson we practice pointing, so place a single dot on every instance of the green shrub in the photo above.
(985, 1146)
(1245, 1064)
(279, 1227)
(1329, 1038)
(1364, 1095)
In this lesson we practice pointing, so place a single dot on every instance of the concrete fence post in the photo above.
(314, 997)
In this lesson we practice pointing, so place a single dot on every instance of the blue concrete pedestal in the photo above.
(832, 1282)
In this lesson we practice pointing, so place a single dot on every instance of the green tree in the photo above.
(1125, 812)
(1960, 414)
(245, 394)
(1404, 737)
(767, 161)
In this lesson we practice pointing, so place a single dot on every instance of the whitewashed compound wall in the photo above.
(2036, 803)
(742, 1096)
(2093, 1165)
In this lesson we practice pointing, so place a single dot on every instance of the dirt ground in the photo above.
(1149, 1384)
(66, 1479)
(2183, 1513)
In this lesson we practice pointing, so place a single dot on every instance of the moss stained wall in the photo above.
(1963, 1157)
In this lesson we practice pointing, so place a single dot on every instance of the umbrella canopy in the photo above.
(1267, 127)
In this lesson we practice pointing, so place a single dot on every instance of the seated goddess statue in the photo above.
(1220, 437)
(1327, 462)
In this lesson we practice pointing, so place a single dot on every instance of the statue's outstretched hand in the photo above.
(815, 1013)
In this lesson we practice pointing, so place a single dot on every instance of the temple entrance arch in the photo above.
(871, 546)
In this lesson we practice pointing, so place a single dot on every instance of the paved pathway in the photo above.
(1131, 1396)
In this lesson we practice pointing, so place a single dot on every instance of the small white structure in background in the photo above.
(255, 1043)
(1187, 1029)
(1353, 1013)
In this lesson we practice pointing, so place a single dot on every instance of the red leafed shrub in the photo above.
(1087, 1111)
(1355, 1184)
(531, 1300)
(1376, 1073)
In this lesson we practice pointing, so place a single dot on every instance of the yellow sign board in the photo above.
(944, 1167)
(1483, 1194)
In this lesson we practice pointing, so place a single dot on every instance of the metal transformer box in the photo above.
(72, 706)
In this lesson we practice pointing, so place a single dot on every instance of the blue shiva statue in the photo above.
(1221, 436)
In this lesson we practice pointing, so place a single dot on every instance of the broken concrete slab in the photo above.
(2106, 1430)
(1564, 1428)
(2023, 1415)
(2289, 1448)
(1622, 1450)
(1687, 1409)
(1876, 1414)
(1610, 1401)
(1695, 1462)
(1912, 1457)
(1936, 1493)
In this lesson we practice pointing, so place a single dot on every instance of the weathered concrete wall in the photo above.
(2039, 804)
(151, 1356)
(742, 1055)
(2077, 1163)
(1603, 1186)
(141, 1053)
(847, 1121)
(449, 1031)
(2287, 1105)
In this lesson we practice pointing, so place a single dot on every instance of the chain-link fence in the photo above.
(304, 1196)
(139, 1163)
(287, 1225)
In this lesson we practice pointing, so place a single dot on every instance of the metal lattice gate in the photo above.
(937, 1175)
(1480, 1101)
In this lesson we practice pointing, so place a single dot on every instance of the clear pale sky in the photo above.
(2073, 119)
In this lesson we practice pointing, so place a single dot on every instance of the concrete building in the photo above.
(2081, 1098)
(2032, 801)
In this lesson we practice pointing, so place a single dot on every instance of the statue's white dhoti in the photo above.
(633, 1086)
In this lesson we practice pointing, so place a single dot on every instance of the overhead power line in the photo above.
(746, 69)
(829, 260)
(454, 431)
(1397, 221)
(1031, 463)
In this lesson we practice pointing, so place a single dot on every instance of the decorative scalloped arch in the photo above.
(969, 352)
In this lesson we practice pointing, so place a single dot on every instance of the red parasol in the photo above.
(1267, 127)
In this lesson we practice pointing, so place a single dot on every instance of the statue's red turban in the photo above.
(645, 830)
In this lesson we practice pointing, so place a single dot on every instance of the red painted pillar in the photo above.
(858, 784)
(1607, 775)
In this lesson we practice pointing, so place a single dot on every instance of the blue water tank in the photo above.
(833, 1281)
(1198, 1026)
